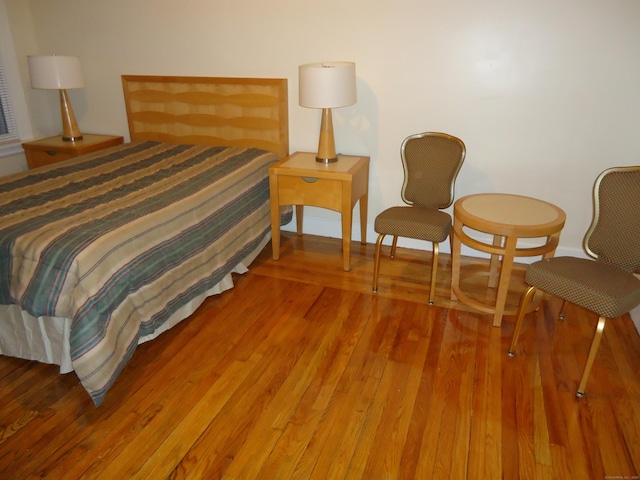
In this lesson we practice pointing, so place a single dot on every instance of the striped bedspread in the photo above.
(118, 240)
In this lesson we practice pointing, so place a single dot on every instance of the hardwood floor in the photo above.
(301, 372)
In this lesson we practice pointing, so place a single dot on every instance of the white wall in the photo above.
(544, 94)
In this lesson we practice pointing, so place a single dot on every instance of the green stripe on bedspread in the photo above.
(120, 240)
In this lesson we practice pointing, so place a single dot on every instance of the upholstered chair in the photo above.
(604, 284)
(431, 163)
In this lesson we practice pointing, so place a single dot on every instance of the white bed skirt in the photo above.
(46, 339)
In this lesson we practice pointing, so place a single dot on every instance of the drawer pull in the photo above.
(309, 179)
(52, 153)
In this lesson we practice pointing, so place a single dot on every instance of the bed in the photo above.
(108, 250)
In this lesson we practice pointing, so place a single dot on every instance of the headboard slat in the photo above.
(245, 112)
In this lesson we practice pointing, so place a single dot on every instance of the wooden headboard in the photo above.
(236, 112)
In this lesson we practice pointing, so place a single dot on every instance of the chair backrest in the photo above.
(431, 164)
(614, 234)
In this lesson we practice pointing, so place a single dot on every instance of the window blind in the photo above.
(8, 126)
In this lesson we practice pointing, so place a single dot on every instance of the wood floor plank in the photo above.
(456, 375)
(542, 455)
(408, 354)
(485, 453)
(437, 384)
(417, 395)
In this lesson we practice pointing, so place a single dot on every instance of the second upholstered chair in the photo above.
(431, 163)
(605, 285)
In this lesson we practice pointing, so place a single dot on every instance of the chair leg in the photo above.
(562, 313)
(434, 271)
(526, 297)
(595, 343)
(394, 244)
(376, 261)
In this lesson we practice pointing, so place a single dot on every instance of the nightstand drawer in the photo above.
(39, 158)
(317, 192)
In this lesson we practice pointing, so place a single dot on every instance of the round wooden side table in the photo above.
(507, 218)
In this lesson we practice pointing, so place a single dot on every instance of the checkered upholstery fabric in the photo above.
(606, 285)
(614, 236)
(414, 222)
(596, 286)
(431, 163)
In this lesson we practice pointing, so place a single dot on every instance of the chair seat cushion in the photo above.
(422, 223)
(596, 286)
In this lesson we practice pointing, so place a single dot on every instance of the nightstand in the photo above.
(299, 180)
(53, 149)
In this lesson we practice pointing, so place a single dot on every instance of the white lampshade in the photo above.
(55, 72)
(327, 84)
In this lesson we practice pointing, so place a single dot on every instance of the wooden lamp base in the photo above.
(70, 130)
(326, 145)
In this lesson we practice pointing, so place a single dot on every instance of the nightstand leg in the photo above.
(299, 214)
(364, 207)
(346, 238)
(347, 218)
(275, 217)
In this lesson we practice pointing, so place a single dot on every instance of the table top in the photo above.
(304, 163)
(505, 214)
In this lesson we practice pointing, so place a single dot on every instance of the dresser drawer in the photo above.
(318, 192)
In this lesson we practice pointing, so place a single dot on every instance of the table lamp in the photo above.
(327, 85)
(57, 72)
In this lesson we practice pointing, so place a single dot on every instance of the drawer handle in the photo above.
(309, 179)
(53, 153)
